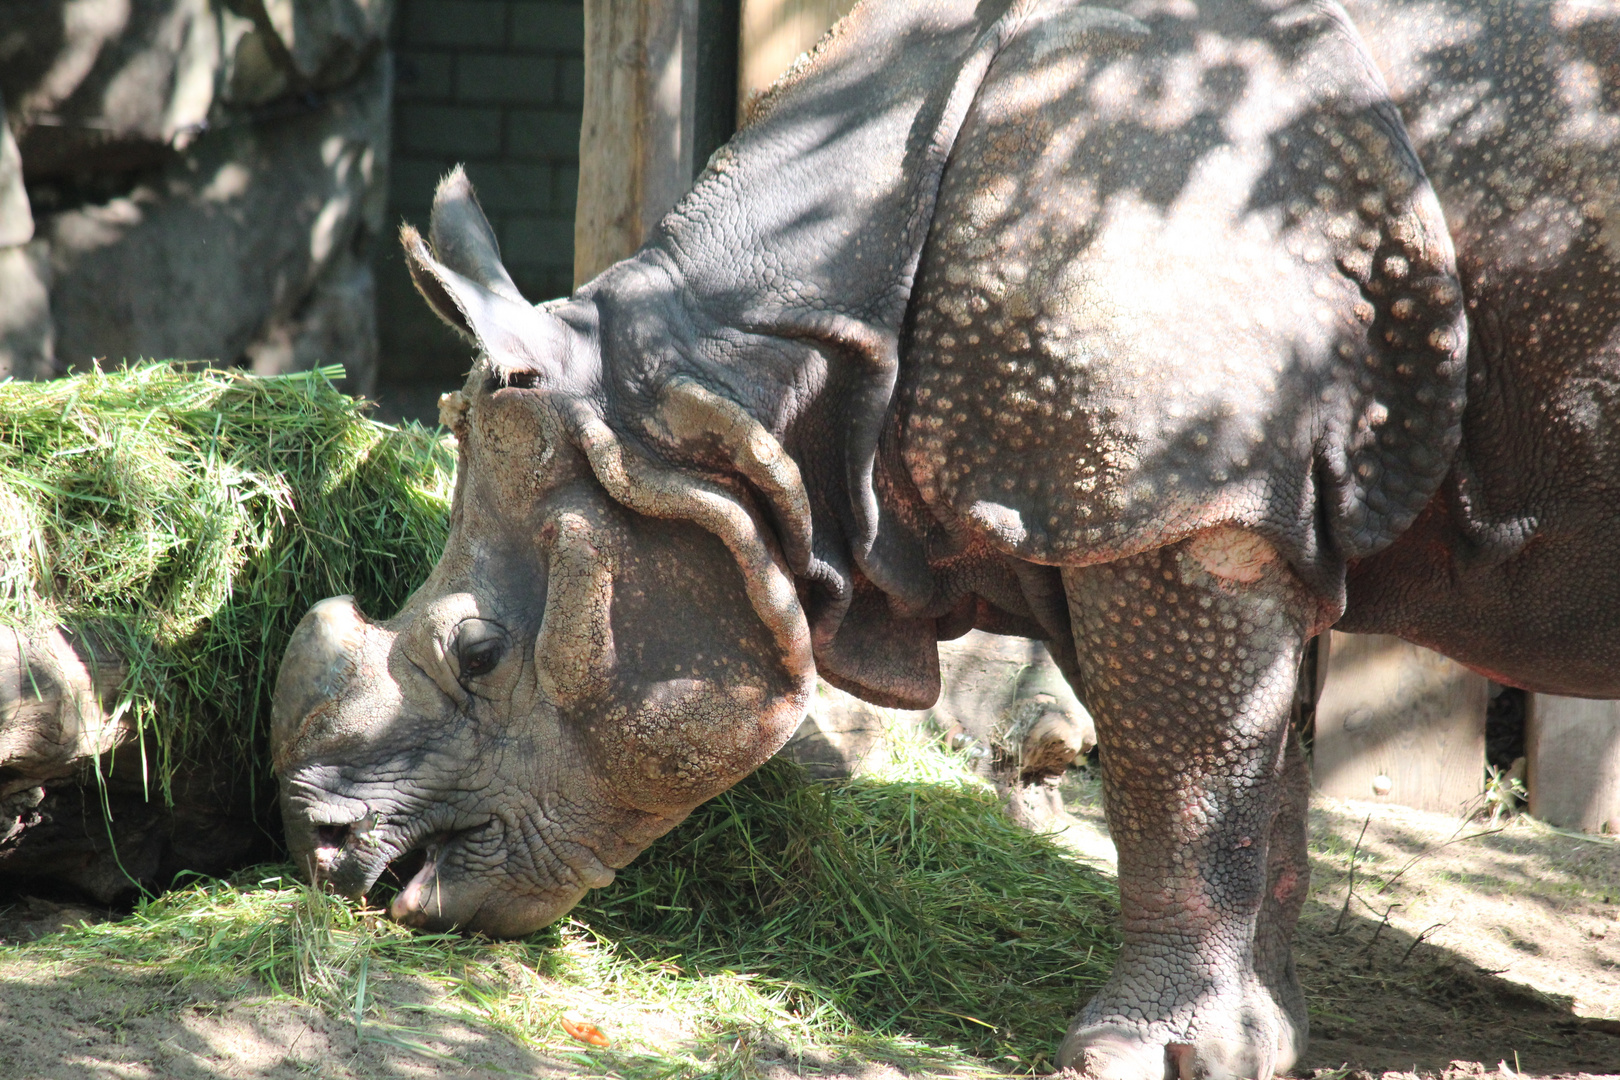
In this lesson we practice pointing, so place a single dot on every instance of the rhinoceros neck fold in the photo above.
(808, 226)
(782, 281)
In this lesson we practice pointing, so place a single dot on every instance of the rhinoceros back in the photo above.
(1184, 272)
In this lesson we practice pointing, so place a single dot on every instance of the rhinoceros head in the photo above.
(527, 723)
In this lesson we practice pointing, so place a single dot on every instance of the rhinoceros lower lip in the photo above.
(418, 899)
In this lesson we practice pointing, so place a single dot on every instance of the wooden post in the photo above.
(636, 140)
(1573, 747)
(1399, 724)
(774, 33)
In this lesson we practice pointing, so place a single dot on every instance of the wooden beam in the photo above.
(1573, 747)
(774, 33)
(636, 139)
(1396, 723)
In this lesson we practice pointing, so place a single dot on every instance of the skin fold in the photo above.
(1168, 334)
(1514, 568)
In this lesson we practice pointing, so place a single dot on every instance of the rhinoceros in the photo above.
(1161, 332)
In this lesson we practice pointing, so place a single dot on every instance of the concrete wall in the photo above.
(496, 85)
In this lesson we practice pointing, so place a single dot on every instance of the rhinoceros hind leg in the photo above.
(1288, 880)
(1188, 657)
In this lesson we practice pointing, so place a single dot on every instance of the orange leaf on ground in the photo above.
(584, 1031)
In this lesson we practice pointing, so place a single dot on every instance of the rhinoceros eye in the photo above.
(479, 648)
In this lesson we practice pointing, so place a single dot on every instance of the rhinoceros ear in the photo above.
(461, 277)
(463, 239)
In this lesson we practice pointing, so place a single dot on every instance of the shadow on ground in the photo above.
(1451, 949)
(1428, 966)
(107, 1021)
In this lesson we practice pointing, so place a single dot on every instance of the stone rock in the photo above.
(27, 332)
(97, 83)
(112, 84)
(16, 220)
(1006, 698)
(328, 42)
(1053, 742)
(27, 335)
(1003, 700)
(337, 322)
(841, 735)
(1006, 695)
(251, 246)
(206, 177)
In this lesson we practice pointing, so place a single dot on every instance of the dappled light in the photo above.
(1512, 110)
(899, 920)
(1169, 334)
(1455, 937)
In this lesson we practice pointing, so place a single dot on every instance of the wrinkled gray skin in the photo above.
(1135, 329)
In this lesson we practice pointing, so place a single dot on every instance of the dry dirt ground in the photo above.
(1466, 949)
(1462, 942)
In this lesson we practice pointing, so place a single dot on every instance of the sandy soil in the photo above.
(1466, 950)
(1461, 942)
(102, 1023)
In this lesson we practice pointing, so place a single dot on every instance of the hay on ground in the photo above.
(188, 517)
(889, 918)
(192, 517)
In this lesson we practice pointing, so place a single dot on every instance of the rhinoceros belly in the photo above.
(1514, 108)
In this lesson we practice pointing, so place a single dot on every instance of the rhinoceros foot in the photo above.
(1239, 1031)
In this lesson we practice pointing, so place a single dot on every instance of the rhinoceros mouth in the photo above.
(403, 868)
(419, 899)
(351, 857)
(397, 866)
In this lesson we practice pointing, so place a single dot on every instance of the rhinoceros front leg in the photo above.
(1188, 656)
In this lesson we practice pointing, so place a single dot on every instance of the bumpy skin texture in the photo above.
(1515, 567)
(1131, 327)
(1187, 273)
(1192, 657)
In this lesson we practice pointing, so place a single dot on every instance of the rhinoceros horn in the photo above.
(320, 659)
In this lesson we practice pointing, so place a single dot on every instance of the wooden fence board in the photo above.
(774, 33)
(636, 139)
(1392, 710)
(1573, 747)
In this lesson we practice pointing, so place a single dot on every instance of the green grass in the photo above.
(901, 918)
(909, 904)
(187, 517)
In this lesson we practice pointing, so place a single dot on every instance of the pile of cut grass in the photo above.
(190, 518)
(896, 918)
(903, 900)
(187, 517)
